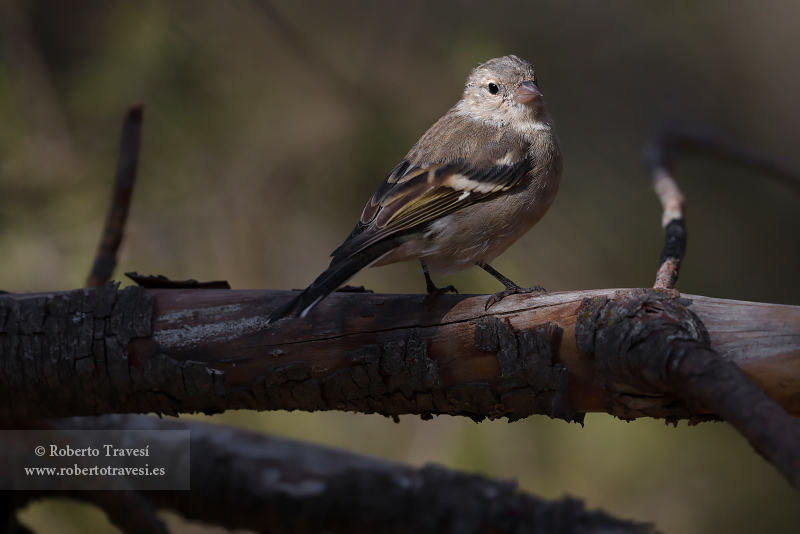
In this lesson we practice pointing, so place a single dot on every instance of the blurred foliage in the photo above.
(259, 153)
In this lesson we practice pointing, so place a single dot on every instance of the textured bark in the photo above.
(242, 480)
(649, 346)
(68, 352)
(105, 350)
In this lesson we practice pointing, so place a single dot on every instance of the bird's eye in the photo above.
(493, 88)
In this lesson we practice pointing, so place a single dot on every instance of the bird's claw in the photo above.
(428, 299)
(497, 297)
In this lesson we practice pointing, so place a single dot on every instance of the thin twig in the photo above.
(664, 143)
(658, 155)
(106, 259)
(674, 228)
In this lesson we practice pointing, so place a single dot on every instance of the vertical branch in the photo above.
(658, 155)
(674, 228)
(106, 259)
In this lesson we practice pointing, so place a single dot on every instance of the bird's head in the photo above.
(503, 90)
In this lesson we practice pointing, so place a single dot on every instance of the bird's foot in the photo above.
(513, 290)
(434, 292)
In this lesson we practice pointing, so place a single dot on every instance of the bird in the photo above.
(475, 182)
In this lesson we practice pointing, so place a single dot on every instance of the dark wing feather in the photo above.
(422, 194)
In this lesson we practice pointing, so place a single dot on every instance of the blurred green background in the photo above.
(268, 125)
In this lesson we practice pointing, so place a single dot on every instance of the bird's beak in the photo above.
(527, 92)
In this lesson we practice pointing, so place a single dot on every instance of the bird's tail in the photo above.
(334, 276)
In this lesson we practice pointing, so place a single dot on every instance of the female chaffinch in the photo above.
(474, 183)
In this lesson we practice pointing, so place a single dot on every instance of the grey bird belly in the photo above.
(480, 232)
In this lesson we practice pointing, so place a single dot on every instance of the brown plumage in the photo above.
(475, 182)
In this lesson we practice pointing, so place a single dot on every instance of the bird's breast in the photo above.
(482, 231)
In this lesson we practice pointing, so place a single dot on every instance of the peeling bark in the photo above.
(527, 357)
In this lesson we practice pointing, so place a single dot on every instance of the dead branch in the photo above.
(105, 350)
(659, 153)
(243, 480)
(648, 345)
(113, 230)
(665, 143)
(126, 509)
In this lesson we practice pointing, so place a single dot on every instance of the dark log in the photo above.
(243, 480)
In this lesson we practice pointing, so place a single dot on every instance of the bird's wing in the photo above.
(413, 195)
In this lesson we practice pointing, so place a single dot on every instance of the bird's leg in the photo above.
(511, 287)
(433, 291)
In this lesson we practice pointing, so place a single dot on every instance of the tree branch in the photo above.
(105, 350)
(649, 345)
(114, 228)
(659, 152)
(242, 480)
